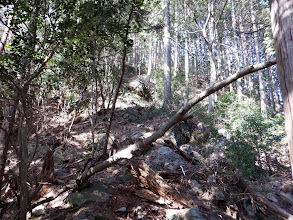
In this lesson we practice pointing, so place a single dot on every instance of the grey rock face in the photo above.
(169, 158)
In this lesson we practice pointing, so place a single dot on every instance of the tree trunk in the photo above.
(257, 53)
(213, 73)
(176, 32)
(8, 123)
(167, 55)
(186, 57)
(119, 84)
(150, 61)
(5, 36)
(282, 20)
(135, 58)
(235, 44)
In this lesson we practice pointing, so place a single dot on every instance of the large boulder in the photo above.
(168, 159)
(179, 133)
(137, 86)
(132, 115)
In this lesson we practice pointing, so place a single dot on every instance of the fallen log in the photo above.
(127, 153)
(262, 200)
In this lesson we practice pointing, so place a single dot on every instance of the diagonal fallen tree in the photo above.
(128, 152)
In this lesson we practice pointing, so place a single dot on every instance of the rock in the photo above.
(139, 212)
(122, 209)
(83, 215)
(272, 197)
(196, 187)
(248, 207)
(100, 217)
(96, 192)
(172, 214)
(192, 214)
(181, 133)
(287, 197)
(224, 133)
(61, 173)
(277, 185)
(169, 159)
(101, 142)
(39, 210)
(217, 194)
(138, 87)
(212, 179)
(140, 126)
(137, 135)
(132, 115)
(187, 149)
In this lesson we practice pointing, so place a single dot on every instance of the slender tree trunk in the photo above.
(150, 61)
(135, 58)
(243, 40)
(5, 36)
(93, 119)
(282, 20)
(186, 57)
(213, 74)
(119, 84)
(195, 61)
(257, 53)
(23, 166)
(155, 63)
(176, 32)
(9, 120)
(235, 44)
(167, 55)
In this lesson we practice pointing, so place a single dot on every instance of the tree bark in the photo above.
(282, 20)
(167, 55)
(127, 153)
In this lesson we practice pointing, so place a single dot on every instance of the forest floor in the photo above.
(211, 186)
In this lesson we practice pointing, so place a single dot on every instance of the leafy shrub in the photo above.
(254, 136)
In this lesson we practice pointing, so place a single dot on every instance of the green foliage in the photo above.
(253, 134)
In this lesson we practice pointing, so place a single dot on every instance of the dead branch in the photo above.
(127, 153)
(262, 200)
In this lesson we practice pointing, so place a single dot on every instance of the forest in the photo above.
(135, 109)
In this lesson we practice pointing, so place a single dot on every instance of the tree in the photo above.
(282, 20)
(167, 54)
